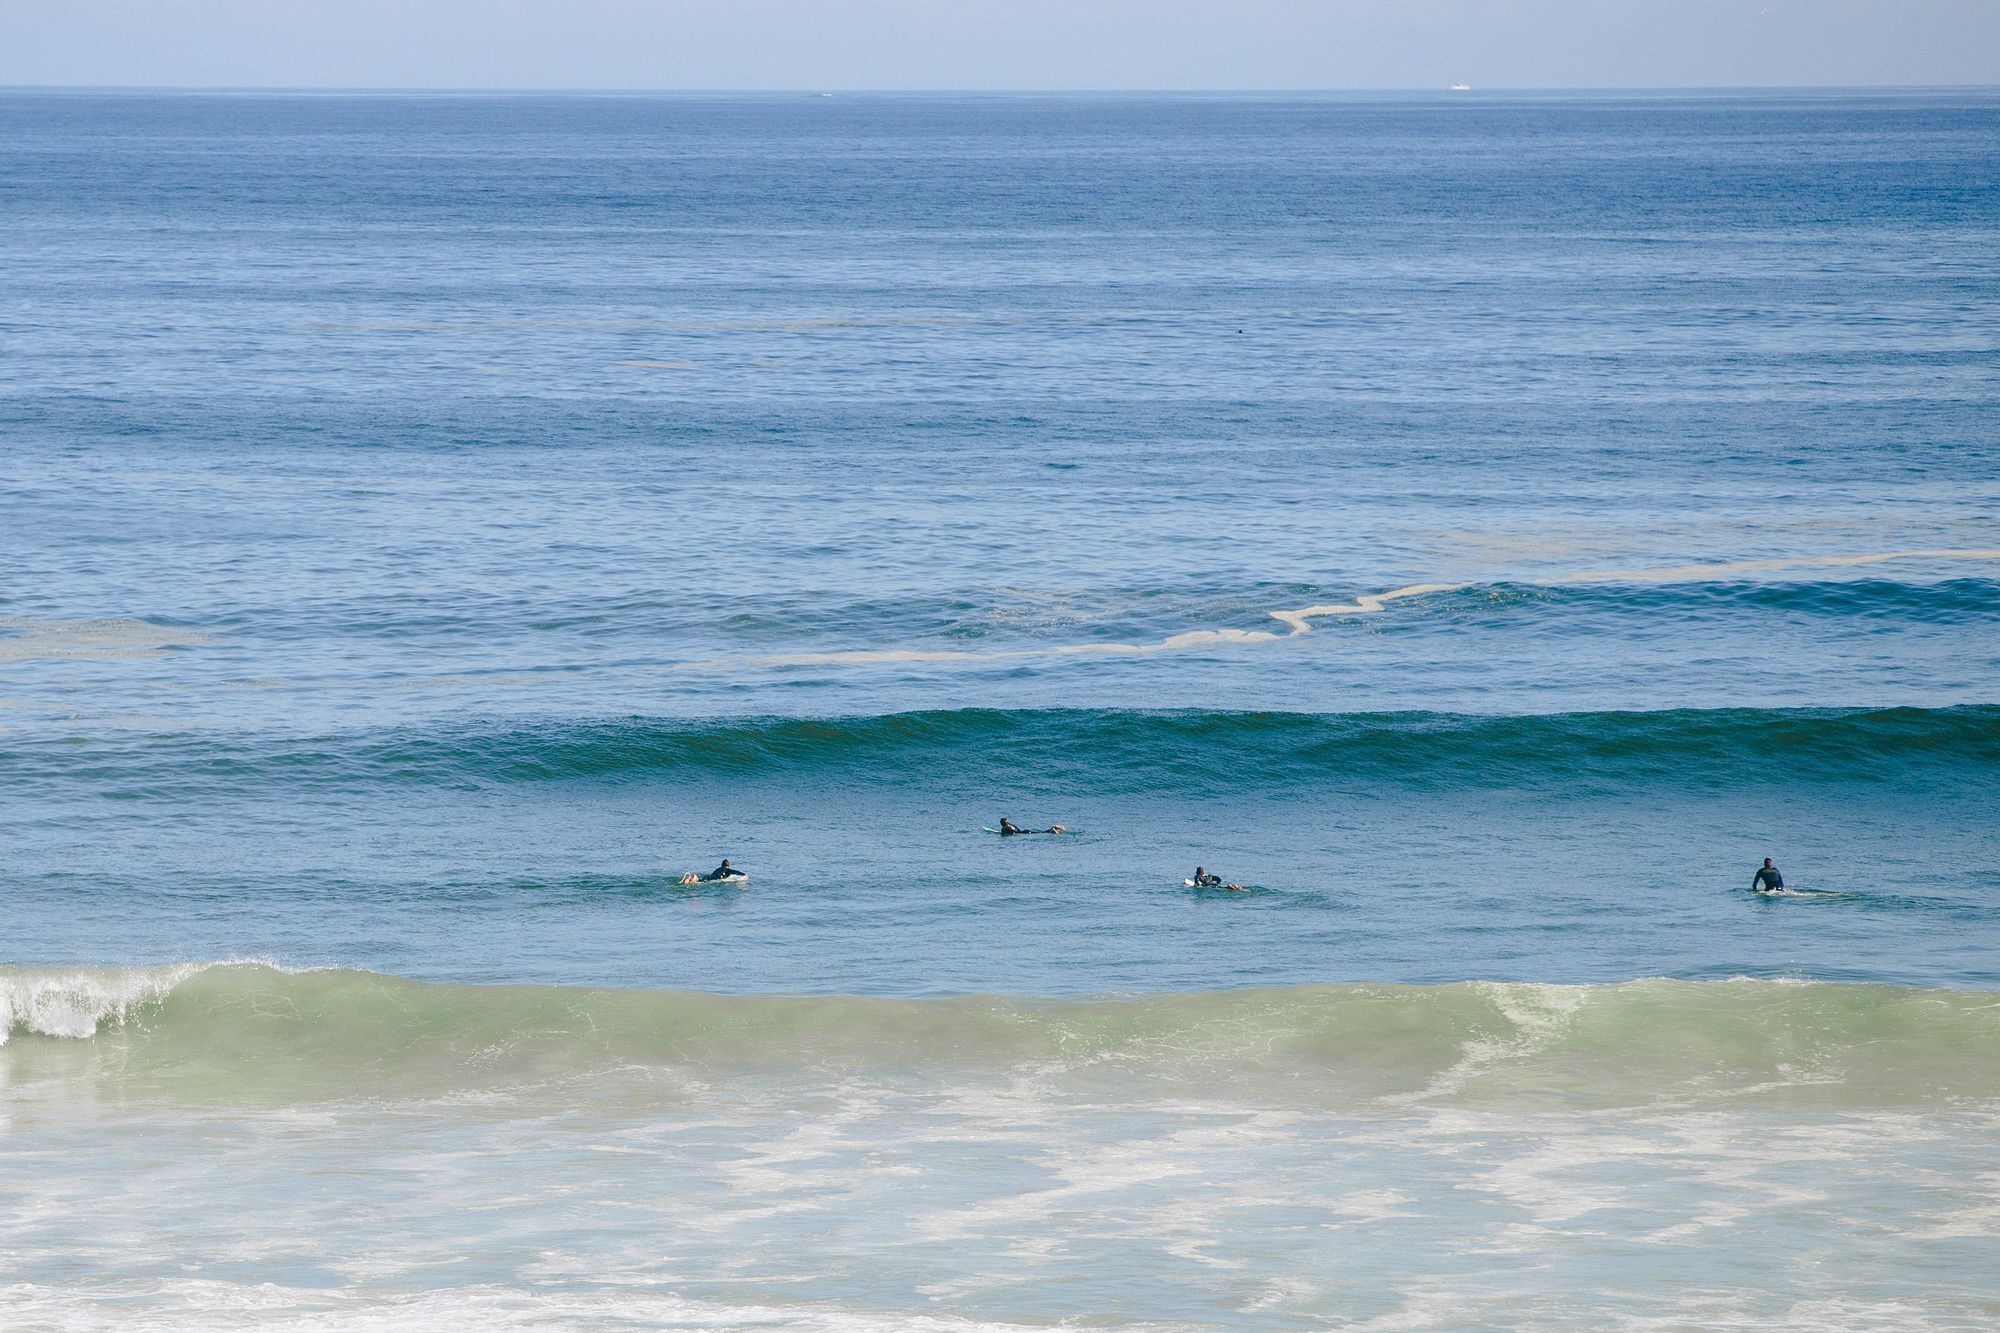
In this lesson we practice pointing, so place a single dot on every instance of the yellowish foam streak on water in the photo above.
(1300, 621)
(22, 638)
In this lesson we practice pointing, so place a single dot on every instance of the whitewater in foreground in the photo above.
(344, 1149)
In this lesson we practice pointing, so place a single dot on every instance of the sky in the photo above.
(997, 44)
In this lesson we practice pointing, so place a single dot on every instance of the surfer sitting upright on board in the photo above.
(1767, 878)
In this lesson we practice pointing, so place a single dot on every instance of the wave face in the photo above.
(250, 1029)
(1109, 750)
(1127, 749)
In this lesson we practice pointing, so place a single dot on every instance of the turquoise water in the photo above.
(1485, 526)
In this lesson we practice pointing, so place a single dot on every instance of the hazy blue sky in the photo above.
(812, 44)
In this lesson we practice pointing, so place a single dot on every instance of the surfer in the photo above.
(1008, 828)
(1203, 880)
(725, 871)
(1767, 878)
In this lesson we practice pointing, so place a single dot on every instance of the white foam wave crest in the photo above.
(1299, 621)
(76, 1002)
(1540, 1015)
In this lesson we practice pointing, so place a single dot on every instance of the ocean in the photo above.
(1484, 526)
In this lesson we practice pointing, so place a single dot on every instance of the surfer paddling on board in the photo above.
(1203, 880)
(725, 871)
(1008, 828)
(1767, 879)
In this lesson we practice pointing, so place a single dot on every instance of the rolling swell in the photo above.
(219, 1029)
(1108, 750)
(1116, 748)
(1856, 601)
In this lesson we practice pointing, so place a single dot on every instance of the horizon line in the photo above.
(443, 90)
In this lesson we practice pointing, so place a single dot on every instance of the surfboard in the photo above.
(693, 881)
(1067, 832)
(1219, 888)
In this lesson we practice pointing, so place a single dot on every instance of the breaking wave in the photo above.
(256, 1029)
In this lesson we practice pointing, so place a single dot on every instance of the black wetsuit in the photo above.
(1767, 878)
(723, 871)
(1008, 830)
(1208, 881)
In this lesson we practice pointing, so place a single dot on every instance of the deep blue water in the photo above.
(430, 524)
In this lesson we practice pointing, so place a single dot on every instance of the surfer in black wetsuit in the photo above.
(1204, 880)
(1767, 878)
(1008, 828)
(723, 871)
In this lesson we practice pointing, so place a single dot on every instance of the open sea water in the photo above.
(1485, 526)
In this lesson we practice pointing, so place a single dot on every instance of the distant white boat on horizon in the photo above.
(1461, 87)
